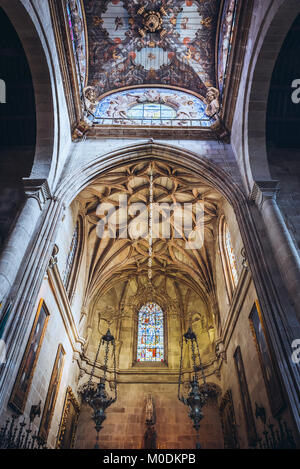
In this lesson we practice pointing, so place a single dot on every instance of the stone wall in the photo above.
(125, 426)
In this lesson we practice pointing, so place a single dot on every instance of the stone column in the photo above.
(37, 192)
(264, 194)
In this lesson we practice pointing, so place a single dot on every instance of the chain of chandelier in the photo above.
(150, 234)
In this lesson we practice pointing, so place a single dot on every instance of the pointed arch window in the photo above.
(73, 259)
(71, 255)
(228, 258)
(150, 340)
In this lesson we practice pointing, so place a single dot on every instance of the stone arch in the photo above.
(34, 41)
(277, 313)
(274, 29)
(83, 176)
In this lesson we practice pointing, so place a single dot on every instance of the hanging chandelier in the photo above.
(150, 235)
(95, 395)
(197, 396)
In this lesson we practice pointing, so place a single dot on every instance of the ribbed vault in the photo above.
(112, 259)
(184, 281)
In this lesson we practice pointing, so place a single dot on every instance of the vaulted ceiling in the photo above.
(112, 260)
(123, 43)
(183, 280)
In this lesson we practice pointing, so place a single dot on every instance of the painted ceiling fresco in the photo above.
(76, 22)
(152, 45)
(166, 42)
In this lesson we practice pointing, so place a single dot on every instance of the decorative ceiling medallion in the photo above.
(152, 21)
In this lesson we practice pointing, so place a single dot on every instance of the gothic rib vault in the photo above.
(184, 280)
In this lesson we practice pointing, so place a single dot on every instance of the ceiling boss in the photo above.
(152, 21)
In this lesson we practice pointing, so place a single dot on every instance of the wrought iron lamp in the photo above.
(95, 394)
(197, 396)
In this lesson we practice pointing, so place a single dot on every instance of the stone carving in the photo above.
(264, 190)
(37, 189)
(80, 129)
(245, 260)
(221, 351)
(213, 102)
(53, 259)
(150, 414)
(150, 410)
(90, 98)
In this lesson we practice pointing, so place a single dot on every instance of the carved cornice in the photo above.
(159, 132)
(37, 189)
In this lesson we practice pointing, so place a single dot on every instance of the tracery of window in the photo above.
(150, 337)
(228, 257)
(231, 256)
(152, 106)
(71, 256)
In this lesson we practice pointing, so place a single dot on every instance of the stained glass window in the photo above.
(71, 256)
(230, 255)
(151, 111)
(152, 106)
(150, 344)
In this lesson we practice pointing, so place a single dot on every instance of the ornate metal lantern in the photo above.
(197, 396)
(95, 394)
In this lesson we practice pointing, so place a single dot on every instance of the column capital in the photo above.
(37, 189)
(264, 190)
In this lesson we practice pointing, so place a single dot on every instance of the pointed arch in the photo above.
(228, 257)
(74, 259)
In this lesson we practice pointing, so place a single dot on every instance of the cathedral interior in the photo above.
(149, 224)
